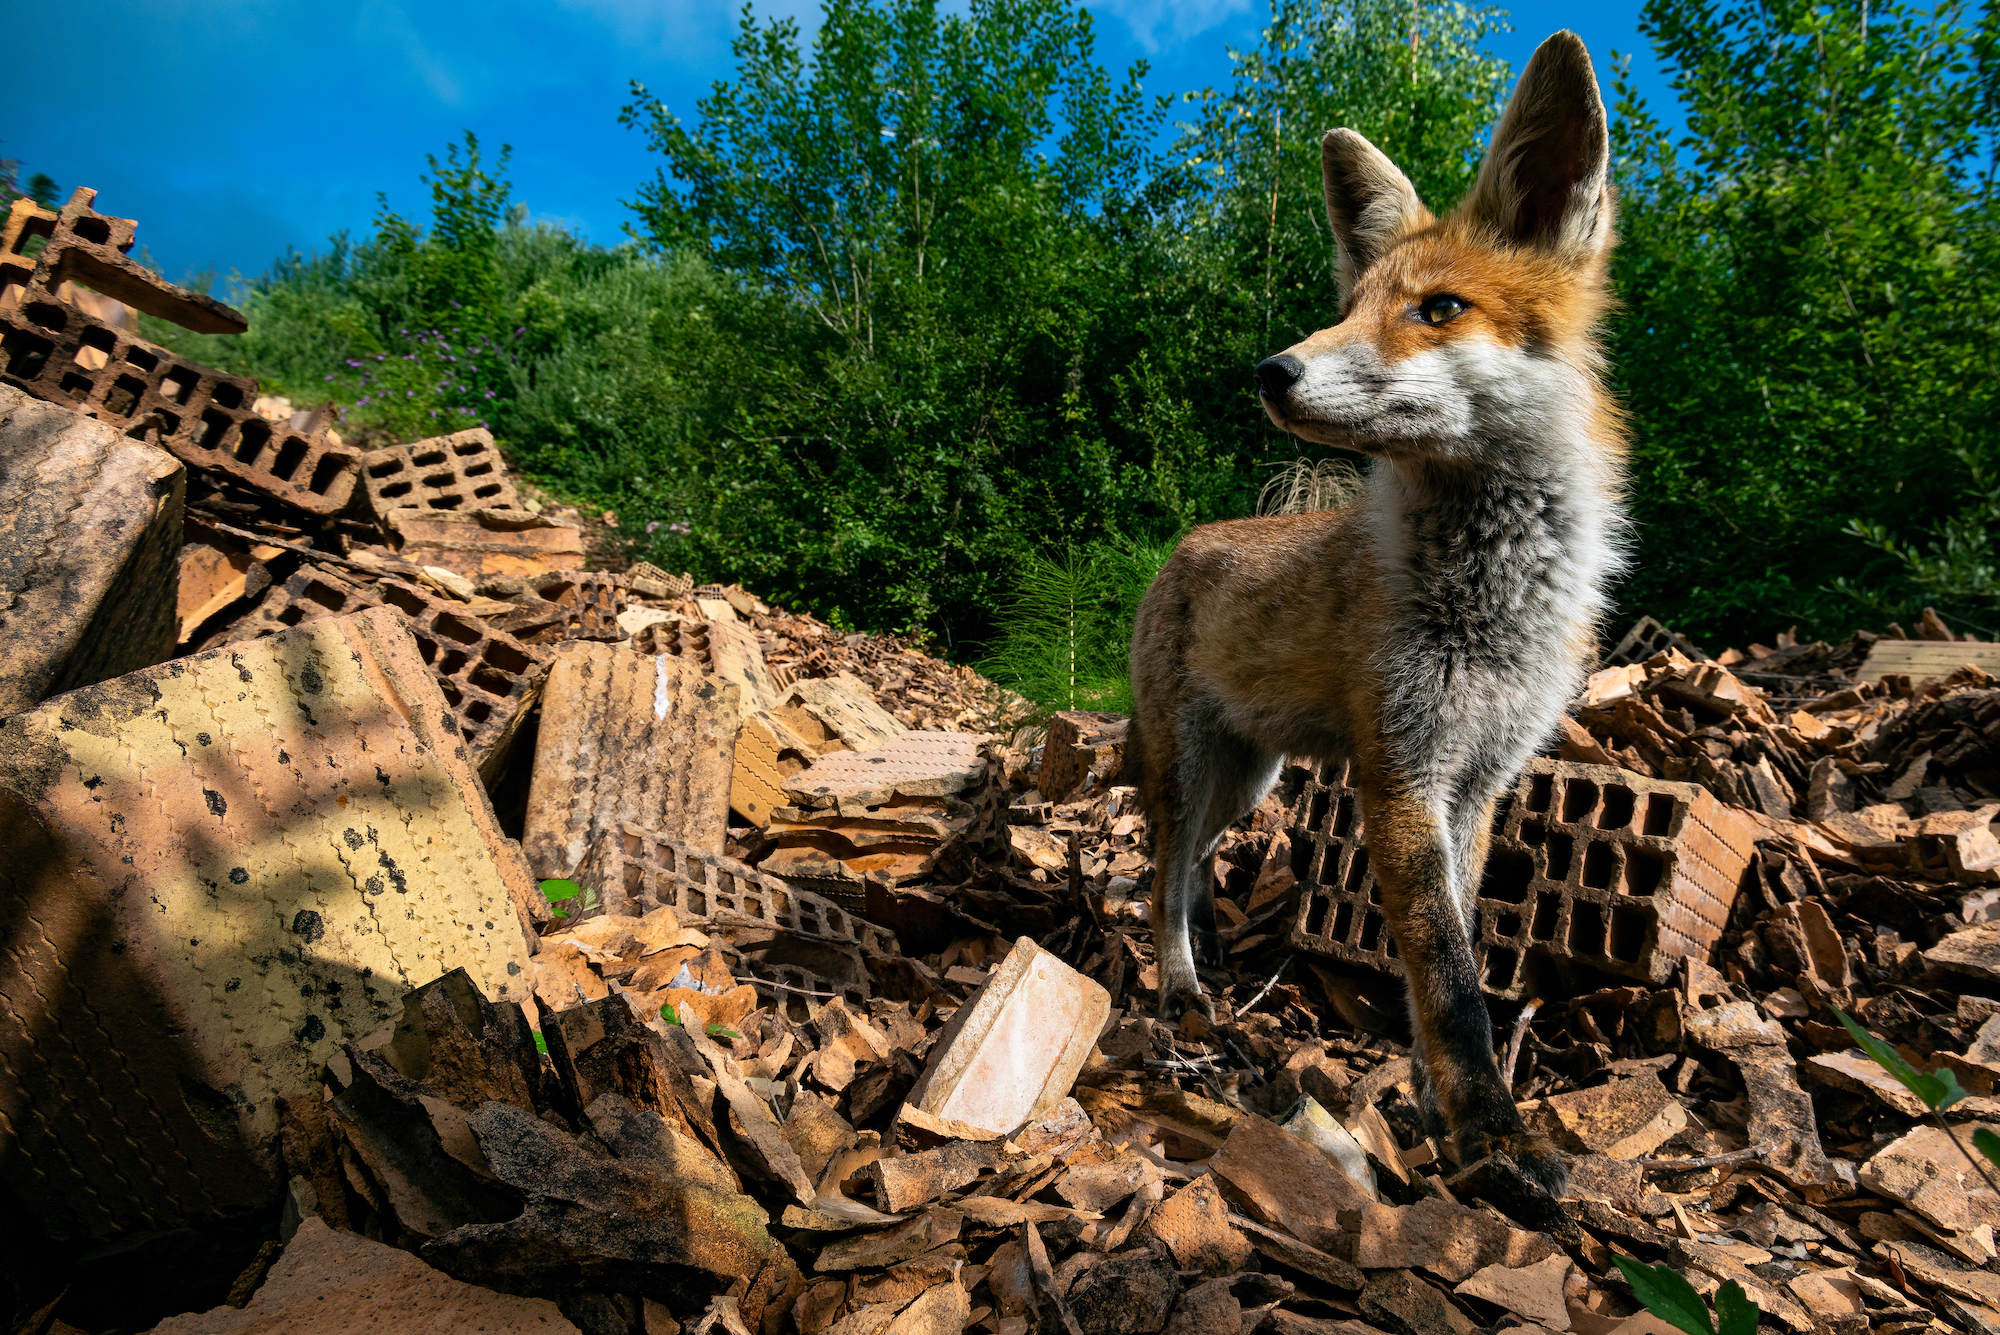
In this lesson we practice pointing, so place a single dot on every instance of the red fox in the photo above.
(1432, 630)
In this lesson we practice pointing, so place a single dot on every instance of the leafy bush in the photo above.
(1804, 343)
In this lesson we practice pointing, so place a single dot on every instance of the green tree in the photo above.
(921, 219)
(1805, 278)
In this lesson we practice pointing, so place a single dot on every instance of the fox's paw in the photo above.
(1537, 1157)
(1179, 995)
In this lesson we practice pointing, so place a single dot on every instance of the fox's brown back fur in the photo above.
(1432, 630)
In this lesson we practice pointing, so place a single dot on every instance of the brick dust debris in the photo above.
(841, 1021)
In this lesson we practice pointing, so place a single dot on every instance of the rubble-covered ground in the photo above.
(833, 1011)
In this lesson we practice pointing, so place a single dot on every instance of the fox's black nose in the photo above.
(1276, 374)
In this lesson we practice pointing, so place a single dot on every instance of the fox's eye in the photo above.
(1441, 310)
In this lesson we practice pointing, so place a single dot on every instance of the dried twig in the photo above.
(1265, 990)
(1704, 1161)
(782, 987)
(1514, 1043)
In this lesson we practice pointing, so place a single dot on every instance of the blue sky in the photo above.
(232, 129)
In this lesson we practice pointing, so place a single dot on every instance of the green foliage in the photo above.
(1938, 1091)
(1065, 629)
(559, 893)
(721, 1031)
(1672, 1299)
(1805, 341)
(922, 219)
(1987, 1144)
(669, 1014)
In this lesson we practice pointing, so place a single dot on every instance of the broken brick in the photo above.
(58, 351)
(626, 738)
(1450, 1241)
(487, 676)
(1622, 1120)
(485, 542)
(1014, 1048)
(1194, 1223)
(88, 551)
(1280, 1180)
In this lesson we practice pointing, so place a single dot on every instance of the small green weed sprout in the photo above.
(1671, 1298)
(722, 1031)
(1938, 1090)
(560, 892)
(669, 1014)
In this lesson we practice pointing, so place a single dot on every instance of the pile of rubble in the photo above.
(406, 924)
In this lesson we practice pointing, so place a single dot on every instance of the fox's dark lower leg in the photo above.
(1215, 778)
(1452, 1029)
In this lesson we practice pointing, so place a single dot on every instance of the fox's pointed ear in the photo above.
(1547, 180)
(1369, 202)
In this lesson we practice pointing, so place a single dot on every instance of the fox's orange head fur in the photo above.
(1462, 334)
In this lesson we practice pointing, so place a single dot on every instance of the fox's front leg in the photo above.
(1183, 905)
(1410, 851)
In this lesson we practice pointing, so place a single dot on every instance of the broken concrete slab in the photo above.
(1532, 1292)
(1448, 1240)
(1014, 1048)
(327, 1283)
(233, 863)
(626, 738)
(90, 531)
(1278, 1179)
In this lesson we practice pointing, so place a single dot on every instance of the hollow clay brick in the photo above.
(55, 350)
(489, 678)
(726, 648)
(567, 605)
(1648, 637)
(794, 944)
(485, 542)
(462, 471)
(90, 533)
(1013, 1050)
(629, 738)
(217, 871)
(1588, 864)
